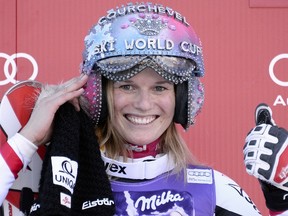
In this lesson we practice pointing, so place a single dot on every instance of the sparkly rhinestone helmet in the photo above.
(135, 36)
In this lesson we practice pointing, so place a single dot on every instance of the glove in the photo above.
(265, 150)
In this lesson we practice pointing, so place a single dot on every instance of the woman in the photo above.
(140, 76)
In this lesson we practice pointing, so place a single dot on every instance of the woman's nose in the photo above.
(144, 100)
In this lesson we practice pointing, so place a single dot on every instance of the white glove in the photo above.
(266, 152)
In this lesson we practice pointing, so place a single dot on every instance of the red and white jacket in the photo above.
(15, 155)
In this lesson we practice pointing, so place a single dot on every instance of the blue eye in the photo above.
(160, 88)
(126, 87)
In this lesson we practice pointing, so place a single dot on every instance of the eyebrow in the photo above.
(159, 82)
(164, 82)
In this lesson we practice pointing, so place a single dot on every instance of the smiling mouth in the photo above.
(141, 120)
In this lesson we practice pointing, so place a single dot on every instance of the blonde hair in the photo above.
(114, 144)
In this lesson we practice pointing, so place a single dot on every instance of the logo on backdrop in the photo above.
(10, 67)
(279, 99)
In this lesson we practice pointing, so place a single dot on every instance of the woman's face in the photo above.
(143, 107)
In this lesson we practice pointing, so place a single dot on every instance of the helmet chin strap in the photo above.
(143, 168)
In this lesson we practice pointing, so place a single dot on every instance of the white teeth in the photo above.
(141, 120)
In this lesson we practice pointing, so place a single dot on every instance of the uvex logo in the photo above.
(115, 168)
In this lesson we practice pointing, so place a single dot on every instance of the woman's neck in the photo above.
(140, 151)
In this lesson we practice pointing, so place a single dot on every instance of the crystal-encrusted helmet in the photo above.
(139, 35)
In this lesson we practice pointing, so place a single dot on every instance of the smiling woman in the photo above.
(131, 96)
(143, 105)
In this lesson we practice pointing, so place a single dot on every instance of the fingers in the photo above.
(75, 83)
(263, 115)
(264, 145)
(55, 96)
(38, 128)
(75, 103)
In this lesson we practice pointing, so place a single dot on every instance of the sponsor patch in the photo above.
(64, 172)
(199, 176)
(98, 202)
(159, 202)
(65, 200)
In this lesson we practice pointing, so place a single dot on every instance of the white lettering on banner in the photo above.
(64, 172)
(157, 200)
(98, 202)
(10, 61)
(280, 101)
(271, 69)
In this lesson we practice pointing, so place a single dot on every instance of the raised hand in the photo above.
(265, 150)
(39, 127)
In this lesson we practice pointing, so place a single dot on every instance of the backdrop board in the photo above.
(245, 51)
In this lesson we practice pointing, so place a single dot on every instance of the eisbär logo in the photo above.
(10, 67)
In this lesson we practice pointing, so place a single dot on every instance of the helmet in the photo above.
(135, 36)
